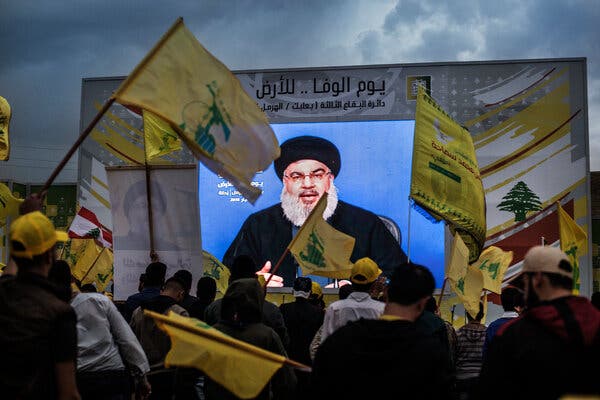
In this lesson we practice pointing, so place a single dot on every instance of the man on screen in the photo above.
(307, 167)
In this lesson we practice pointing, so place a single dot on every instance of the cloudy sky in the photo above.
(47, 47)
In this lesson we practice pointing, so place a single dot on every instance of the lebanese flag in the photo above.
(85, 225)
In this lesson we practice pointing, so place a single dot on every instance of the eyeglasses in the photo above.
(314, 176)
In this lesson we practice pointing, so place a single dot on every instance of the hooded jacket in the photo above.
(371, 358)
(551, 350)
(241, 316)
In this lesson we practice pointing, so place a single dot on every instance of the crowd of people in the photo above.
(383, 336)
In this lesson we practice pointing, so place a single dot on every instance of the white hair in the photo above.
(297, 212)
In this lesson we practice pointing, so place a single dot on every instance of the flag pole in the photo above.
(77, 143)
(442, 291)
(153, 255)
(408, 238)
(287, 250)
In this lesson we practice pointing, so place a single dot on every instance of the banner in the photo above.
(319, 248)
(573, 241)
(182, 83)
(175, 222)
(445, 174)
(5, 114)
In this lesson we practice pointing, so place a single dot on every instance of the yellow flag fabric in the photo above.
(73, 250)
(5, 113)
(493, 263)
(321, 249)
(9, 204)
(185, 85)
(459, 259)
(86, 258)
(101, 271)
(573, 241)
(445, 174)
(468, 288)
(213, 268)
(240, 367)
(159, 138)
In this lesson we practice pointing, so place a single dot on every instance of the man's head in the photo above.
(411, 286)
(302, 287)
(32, 238)
(364, 272)
(155, 274)
(184, 276)
(307, 166)
(512, 299)
(135, 204)
(547, 274)
(206, 289)
(173, 288)
(243, 266)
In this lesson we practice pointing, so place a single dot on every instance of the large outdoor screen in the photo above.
(375, 175)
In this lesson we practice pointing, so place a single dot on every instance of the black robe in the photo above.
(266, 234)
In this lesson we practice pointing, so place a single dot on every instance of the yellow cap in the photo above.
(364, 271)
(33, 234)
(316, 289)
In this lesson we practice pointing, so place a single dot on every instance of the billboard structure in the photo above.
(528, 120)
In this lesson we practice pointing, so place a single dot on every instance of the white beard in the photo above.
(297, 212)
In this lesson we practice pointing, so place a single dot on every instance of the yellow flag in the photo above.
(321, 249)
(86, 259)
(459, 259)
(216, 270)
(159, 138)
(493, 263)
(9, 204)
(240, 367)
(73, 250)
(468, 288)
(573, 241)
(186, 86)
(445, 174)
(101, 271)
(5, 113)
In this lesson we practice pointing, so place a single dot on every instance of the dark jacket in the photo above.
(244, 299)
(266, 234)
(303, 320)
(550, 350)
(37, 330)
(369, 359)
(136, 299)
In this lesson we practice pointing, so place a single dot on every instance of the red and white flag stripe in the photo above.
(85, 225)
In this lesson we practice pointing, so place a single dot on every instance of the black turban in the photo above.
(308, 148)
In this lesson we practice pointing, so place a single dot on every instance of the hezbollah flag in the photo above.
(214, 269)
(240, 367)
(101, 270)
(204, 103)
(445, 175)
(9, 204)
(321, 249)
(5, 114)
(493, 263)
(159, 138)
(465, 280)
(86, 258)
(459, 259)
(573, 241)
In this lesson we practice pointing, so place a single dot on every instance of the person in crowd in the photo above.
(109, 356)
(596, 300)
(141, 281)
(244, 267)
(185, 276)
(432, 323)
(307, 167)
(371, 358)
(469, 354)
(551, 350)
(316, 296)
(153, 281)
(302, 320)
(206, 291)
(154, 341)
(513, 304)
(88, 288)
(241, 318)
(359, 303)
(38, 336)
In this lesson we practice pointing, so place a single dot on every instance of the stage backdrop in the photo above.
(528, 120)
